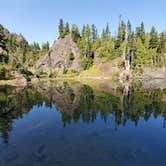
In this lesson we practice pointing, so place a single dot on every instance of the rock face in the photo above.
(154, 73)
(59, 56)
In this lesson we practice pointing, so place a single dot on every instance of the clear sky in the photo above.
(38, 20)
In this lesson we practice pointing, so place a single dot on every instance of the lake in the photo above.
(67, 123)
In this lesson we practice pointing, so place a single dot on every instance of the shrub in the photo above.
(71, 56)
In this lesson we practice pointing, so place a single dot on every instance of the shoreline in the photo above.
(20, 82)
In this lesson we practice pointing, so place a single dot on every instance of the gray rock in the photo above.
(58, 56)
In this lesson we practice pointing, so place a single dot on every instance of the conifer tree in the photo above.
(129, 31)
(61, 29)
(75, 33)
(142, 32)
(83, 31)
(153, 43)
(94, 33)
(66, 29)
(121, 34)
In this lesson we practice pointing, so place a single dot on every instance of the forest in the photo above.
(135, 46)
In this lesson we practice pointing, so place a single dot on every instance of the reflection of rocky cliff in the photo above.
(65, 97)
(76, 101)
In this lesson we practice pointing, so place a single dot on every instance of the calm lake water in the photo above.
(72, 124)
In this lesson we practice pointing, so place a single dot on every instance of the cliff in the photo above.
(59, 56)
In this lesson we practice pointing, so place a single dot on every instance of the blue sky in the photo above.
(38, 20)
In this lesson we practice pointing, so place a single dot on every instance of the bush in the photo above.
(71, 56)
(86, 62)
(25, 72)
(2, 73)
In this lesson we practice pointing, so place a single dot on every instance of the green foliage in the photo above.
(2, 73)
(140, 32)
(75, 33)
(121, 35)
(106, 33)
(45, 48)
(71, 56)
(25, 71)
(141, 53)
(139, 47)
(86, 62)
(106, 51)
(94, 33)
(61, 29)
(66, 29)
(153, 43)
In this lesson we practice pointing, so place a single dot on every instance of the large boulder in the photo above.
(58, 56)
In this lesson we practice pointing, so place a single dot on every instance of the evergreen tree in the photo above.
(138, 32)
(83, 31)
(132, 48)
(142, 32)
(153, 43)
(121, 34)
(66, 29)
(87, 33)
(75, 33)
(162, 43)
(107, 32)
(129, 31)
(141, 54)
(61, 29)
(103, 35)
(94, 33)
(2, 38)
(45, 47)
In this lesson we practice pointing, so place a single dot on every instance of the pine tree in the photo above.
(162, 43)
(87, 32)
(2, 38)
(75, 33)
(141, 53)
(107, 32)
(61, 29)
(45, 47)
(142, 32)
(132, 48)
(153, 43)
(94, 33)
(121, 34)
(66, 29)
(129, 31)
(103, 35)
(138, 32)
(83, 31)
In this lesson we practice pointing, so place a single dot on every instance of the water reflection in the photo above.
(76, 101)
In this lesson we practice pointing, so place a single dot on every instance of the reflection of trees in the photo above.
(13, 105)
(136, 104)
(81, 102)
(85, 107)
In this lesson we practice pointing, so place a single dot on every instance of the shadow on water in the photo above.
(76, 101)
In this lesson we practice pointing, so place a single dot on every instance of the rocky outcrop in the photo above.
(59, 56)
(154, 73)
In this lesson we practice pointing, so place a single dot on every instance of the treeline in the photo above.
(135, 47)
(138, 47)
(17, 53)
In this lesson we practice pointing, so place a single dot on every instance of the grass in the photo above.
(93, 71)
